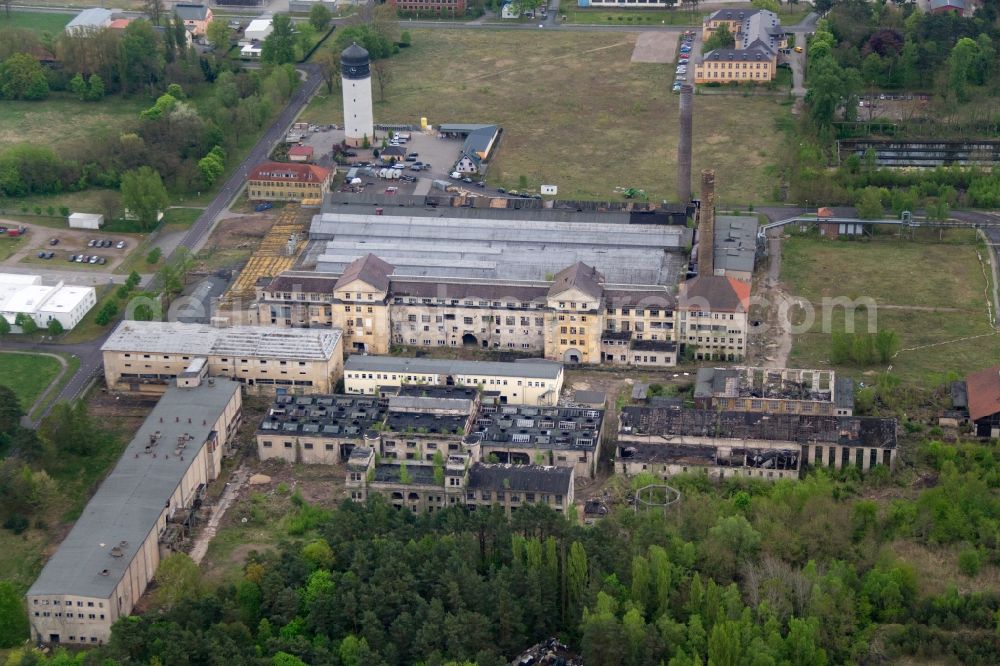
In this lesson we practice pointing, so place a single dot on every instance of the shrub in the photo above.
(968, 562)
(64, 211)
(154, 255)
(16, 523)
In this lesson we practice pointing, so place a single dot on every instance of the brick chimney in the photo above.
(706, 225)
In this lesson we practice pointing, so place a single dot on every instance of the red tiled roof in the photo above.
(301, 150)
(119, 24)
(983, 388)
(721, 294)
(289, 172)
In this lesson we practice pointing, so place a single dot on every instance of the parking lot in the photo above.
(688, 53)
(46, 247)
(441, 154)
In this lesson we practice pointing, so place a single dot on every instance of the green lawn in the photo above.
(576, 112)
(35, 21)
(27, 375)
(928, 294)
(61, 120)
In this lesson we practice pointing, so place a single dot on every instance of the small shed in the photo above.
(300, 154)
(86, 221)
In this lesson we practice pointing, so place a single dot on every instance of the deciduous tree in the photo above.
(144, 195)
(279, 47)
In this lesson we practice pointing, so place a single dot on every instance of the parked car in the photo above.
(41, 255)
(467, 180)
(262, 206)
(501, 190)
(414, 155)
(121, 245)
(71, 257)
(676, 87)
(456, 175)
(410, 158)
(80, 258)
(480, 183)
(93, 260)
(50, 254)
(102, 261)
(91, 243)
(53, 241)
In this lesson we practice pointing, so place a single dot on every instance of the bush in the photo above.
(16, 523)
(154, 255)
(968, 562)
(64, 211)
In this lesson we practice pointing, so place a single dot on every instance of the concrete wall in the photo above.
(312, 376)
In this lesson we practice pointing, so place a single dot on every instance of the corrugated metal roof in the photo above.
(159, 337)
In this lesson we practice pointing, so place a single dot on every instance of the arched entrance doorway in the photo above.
(469, 340)
(572, 356)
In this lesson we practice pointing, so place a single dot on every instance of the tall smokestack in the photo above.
(684, 146)
(706, 225)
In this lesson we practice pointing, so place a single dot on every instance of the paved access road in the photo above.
(199, 231)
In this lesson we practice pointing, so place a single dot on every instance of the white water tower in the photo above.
(356, 75)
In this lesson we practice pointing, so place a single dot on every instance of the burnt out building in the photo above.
(668, 440)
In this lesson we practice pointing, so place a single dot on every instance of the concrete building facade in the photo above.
(525, 382)
(103, 566)
(758, 38)
(286, 181)
(146, 357)
(565, 319)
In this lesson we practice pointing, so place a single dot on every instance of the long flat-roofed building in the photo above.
(754, 444)
(146, 356)
(523, 382)
(774, 390)
(103, 566)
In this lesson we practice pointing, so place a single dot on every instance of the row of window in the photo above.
(69, 616)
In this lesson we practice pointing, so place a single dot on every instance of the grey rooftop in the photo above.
(159, 337)
(529, 368)
(500, 244)
(540, 427)
(127, 506)
(735, 242)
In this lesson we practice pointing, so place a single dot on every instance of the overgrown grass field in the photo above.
(930, 294)
(61, 118)
(575, 111)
